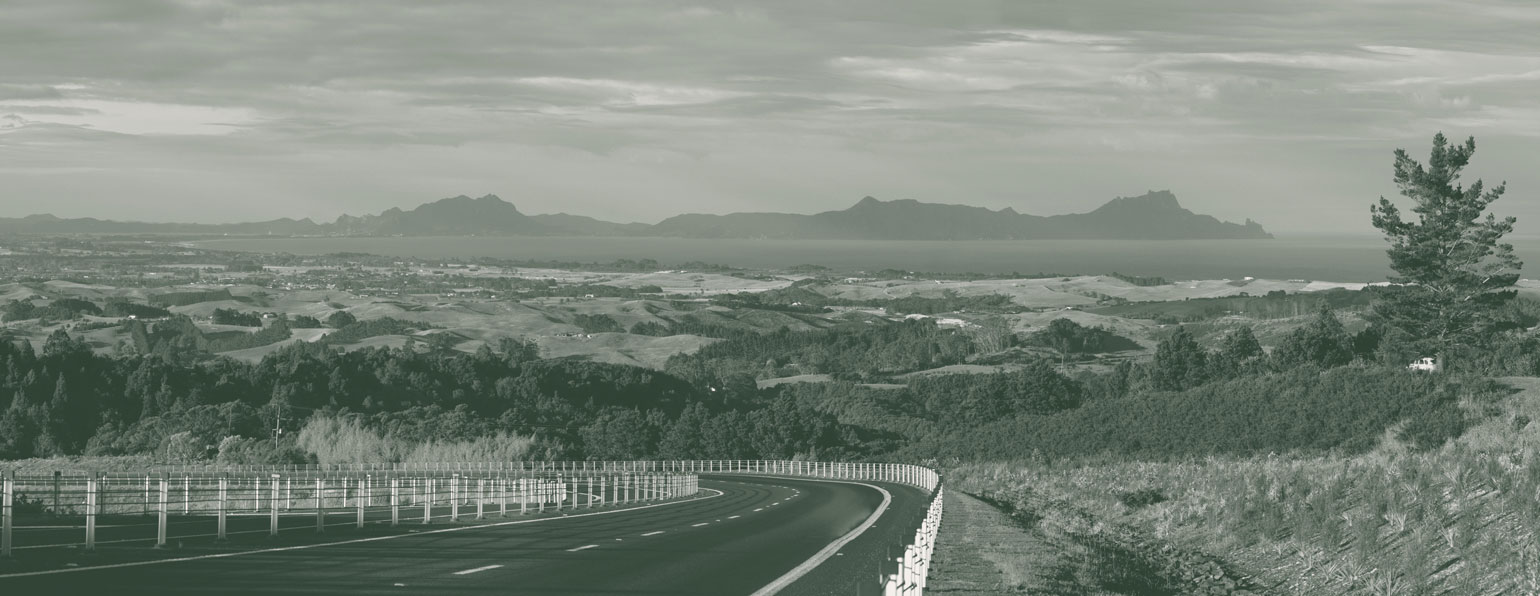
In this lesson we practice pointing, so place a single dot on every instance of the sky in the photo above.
(1283, 112)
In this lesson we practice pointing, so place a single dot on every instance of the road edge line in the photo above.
(827, 553)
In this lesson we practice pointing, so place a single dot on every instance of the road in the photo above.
(743, 534)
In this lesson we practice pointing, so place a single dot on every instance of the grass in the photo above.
(1462, 519)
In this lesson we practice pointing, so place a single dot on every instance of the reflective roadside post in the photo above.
(91, 501)
(224, 486)
(273, 505)
(7, 488)
(160, 524)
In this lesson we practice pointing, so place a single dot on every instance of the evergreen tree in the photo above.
(1322, 342)
(1179, 363)
(1452, 270)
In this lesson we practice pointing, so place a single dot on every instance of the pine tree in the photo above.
(1452, 270)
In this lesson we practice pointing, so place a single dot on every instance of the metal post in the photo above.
(186, 494)
(160, 526)
(273, 525)
(481, 497)
(362, 484)
(523, 494)
(427, 500)
(91, 501)
(224, 483)
(454, 498)
(7, 488)
(146, 494)
(320, 505)
(502, 494)
(395, 501)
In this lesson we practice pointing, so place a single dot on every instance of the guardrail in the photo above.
(178, 502)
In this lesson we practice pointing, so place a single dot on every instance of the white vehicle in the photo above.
(1426, 364)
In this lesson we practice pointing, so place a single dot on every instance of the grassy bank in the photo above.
(1460, 519)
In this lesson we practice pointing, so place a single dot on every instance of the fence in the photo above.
(214, 501)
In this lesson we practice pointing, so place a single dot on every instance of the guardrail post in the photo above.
(7, 490)
(454, 498)
(502, 495)
(273, 505)
(481, 497)
(91, 501)
(360, 501)
(160, 524)
(224, 485)
(320, 505)
(186, 494)
(427, 500)
(369, 489)
(395, 501)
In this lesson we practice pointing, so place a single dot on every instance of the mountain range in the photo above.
(1156, 215)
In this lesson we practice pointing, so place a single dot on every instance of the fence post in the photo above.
(186, 494)
(146, 494)
(481, 497)
(395, 501)
(273, 501)
(224, 484)
(454, 498)
(7, 488)
(502, 494)
(320, 504)
(160, 525)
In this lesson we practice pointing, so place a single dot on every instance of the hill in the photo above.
(1154, 215)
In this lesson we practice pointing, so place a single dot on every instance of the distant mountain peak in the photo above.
(1154, 199)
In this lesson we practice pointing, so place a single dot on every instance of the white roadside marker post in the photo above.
(91, 501)
(320, 505)
(7, 488)
(395, 501)
(224, 487)
(160, 525)
(273, 506)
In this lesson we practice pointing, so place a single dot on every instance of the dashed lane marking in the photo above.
(700, 524)
(477, 570)
(653, 533)
(573, 550)
(733, 516)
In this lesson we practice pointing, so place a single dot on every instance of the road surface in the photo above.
(742, 535)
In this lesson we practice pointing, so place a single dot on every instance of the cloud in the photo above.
(793, 105)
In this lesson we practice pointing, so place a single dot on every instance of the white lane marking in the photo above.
(653, 533)
(760, 509)
(829, 551)
(477, 570)
(700, 524)
(573, 550)
(733, 517)
(357, 540)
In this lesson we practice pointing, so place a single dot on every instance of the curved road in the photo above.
(743, 534)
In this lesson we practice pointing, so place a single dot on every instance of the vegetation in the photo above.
(1452, 269)
(230, 316)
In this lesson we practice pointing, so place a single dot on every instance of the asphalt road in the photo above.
(736, 542)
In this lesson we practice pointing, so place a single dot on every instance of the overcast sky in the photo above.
(1284, 112)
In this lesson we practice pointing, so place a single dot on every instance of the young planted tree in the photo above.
(1452, 270)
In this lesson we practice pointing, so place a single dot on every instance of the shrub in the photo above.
(1143, 497)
